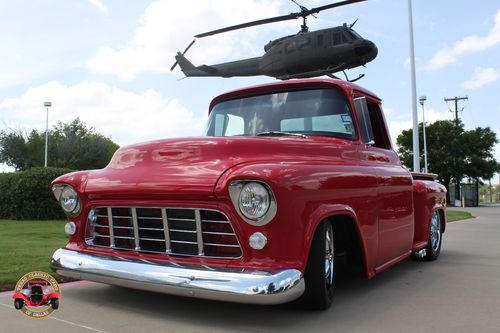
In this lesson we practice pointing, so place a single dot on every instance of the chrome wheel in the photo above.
(435, 232)
(329, 256)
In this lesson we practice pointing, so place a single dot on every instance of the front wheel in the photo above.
(18, 303)
(54, 302)
(320, 271)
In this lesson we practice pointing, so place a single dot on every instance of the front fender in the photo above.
(54, 295)
(306, 193)
(19, 295)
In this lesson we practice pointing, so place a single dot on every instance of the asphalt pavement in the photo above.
(460, 292)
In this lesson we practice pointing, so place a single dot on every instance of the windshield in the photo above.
(323, 112)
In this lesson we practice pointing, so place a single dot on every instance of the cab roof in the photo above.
(347, 87)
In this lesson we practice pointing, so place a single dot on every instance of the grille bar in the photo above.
(199, 235)
(193, 232)
(110, 225)
(136, 229)
(166, 232)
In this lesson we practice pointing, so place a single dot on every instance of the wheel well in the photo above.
(347, 242)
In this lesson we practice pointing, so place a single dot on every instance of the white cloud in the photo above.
(126, 117)
(168, 26)
(99, 5)
(482, 76)
(470, 44)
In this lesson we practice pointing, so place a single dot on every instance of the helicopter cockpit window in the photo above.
(290, 47)
(321, 112)
(339, 38)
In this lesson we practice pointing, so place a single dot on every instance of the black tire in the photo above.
(54, 302)
(320, 271)
(18, 303)
(433, 248)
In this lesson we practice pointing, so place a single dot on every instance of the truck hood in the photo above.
(189, 168)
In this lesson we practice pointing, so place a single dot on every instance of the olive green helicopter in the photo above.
(303, 55)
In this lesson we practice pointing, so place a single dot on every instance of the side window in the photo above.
(339, 38)
(235, 125)
(363, 116)
(228, 125)
(320, 39)
(379, 129)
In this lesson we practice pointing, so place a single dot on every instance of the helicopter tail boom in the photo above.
(245, 67)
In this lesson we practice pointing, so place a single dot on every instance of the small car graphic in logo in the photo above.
(37, 294)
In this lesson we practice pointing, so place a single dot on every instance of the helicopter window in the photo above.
(354, 34)
(320, 40)
(323, 112)
(339, 38)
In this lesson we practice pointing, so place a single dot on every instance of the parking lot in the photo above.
(460, 292)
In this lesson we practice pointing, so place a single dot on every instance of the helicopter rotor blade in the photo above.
(287, 17)
(332, 5)
(183, 53)
(292, 16)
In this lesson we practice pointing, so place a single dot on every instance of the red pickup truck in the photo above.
(288, 178)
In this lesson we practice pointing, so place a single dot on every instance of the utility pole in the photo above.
(456, 99)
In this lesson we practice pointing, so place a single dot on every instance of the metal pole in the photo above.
(416, 149)
(47, 105)
(425, 143)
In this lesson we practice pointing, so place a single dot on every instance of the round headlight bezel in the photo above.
(236, 188)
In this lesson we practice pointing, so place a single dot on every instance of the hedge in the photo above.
(27, 195)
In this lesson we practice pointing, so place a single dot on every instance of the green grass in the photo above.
(457, 215)
(27, 246)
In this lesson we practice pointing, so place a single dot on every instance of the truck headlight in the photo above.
(254, 201)
(68, 199)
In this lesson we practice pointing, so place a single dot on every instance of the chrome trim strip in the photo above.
(199, 234)
(136, 229)
(166, 232)
(216, 283)
(110, 227)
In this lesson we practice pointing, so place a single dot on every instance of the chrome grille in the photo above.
(176, 231)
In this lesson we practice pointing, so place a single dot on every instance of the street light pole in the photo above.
(416, 149)
(422, 100)
(47, 105)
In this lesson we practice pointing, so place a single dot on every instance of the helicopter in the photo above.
(305, 54)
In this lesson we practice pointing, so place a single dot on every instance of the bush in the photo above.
(27, 195)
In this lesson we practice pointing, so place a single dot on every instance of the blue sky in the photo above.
(107, 61)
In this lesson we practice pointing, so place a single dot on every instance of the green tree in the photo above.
(73, 145)
(452, 152)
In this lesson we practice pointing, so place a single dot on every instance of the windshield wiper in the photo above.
(280, 133)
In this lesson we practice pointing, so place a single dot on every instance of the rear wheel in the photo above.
(433, 248)
(435, 237)
(18, 303)
(320, 271)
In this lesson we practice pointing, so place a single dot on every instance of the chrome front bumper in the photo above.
(224, 284)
